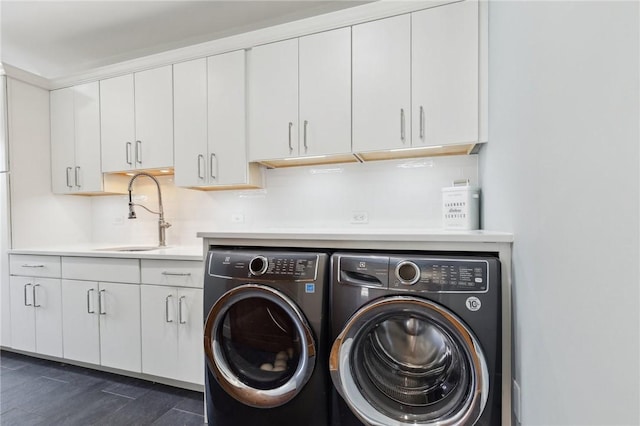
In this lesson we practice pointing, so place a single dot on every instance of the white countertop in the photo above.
(408, 235)
(98, 250)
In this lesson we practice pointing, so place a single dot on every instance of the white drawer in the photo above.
(177, 273)
(104, 269)
(34, 266)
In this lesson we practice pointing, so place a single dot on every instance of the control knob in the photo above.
(407, 272)
(258, 265)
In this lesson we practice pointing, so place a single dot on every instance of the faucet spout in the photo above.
(162, 224)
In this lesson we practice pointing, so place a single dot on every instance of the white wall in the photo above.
(38, 217)
(394, 194)
(561, 173)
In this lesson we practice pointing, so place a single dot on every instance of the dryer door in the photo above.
(259, 346)
(406, 361)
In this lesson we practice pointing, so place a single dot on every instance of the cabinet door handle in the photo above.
(304, 138)
(25, 294)
(402, 135)
(166, 308)
(128, 153)
(290, 146)
(139, 152)
(181, 310)
(213, 166)
(200, 161)
(26, 265)
(89, 309)
(77, 175)
(68, 178)
(177, 274)
(33, 289)
(421, 122)
(101, 311)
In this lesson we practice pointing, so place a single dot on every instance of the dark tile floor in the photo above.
(39, 392)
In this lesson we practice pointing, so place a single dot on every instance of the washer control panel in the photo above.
(279, 266)
(439, 274)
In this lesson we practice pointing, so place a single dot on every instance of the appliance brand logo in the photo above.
(363, 264)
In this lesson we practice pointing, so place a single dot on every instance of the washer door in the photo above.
(406, 361)
(259, 346)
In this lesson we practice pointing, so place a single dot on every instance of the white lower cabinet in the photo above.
(172, 332)
(102, 323)
(36, 315)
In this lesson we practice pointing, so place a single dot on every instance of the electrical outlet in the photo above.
(237, 218)
(359, 217)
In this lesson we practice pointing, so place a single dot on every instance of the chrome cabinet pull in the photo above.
(177, 274)
(35, 304)
(89, 310)
(166, 308)
(421, 122)
(78, 184)
(180, 310)
(211, 166)
(101, 311)
(68, 179)
(25, 295)
(305, 135)
(290, 146)
(139, 152)
(402, 135)
(200, 161)
(26, 265)
(128, 153)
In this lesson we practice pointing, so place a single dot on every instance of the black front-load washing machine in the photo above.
(266, 337)
(416, 339)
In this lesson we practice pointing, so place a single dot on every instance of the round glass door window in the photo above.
(409, 361)
(259, 346)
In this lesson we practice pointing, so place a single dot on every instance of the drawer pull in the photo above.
(180, 310)
(177, 274)
(26, 265)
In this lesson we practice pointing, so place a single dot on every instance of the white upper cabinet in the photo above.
(273, 105)
(382, 84)
(210, 122)
(300, 97)
(445, 75)
(137, 120)
(325, 93)
(75, 139)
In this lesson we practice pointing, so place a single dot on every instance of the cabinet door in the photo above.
(81, 337)
(190, 332)
(325, 93)
(159, 316)
(23, 319)
(119, 308)
(62, 140)
(273, 104)
(382, 84)
(190, 115)
(87, 173)
(47, 303)
(154, 118)
(117, 129)
(445, 74)
(227, 160)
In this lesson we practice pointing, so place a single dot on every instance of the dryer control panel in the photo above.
(269, 266)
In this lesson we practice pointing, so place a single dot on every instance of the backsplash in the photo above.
(384, 194)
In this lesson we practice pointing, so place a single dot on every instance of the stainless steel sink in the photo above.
(130, 248)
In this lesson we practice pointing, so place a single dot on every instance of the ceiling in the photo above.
(54, 39)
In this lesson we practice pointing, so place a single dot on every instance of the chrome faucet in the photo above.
(162, 224)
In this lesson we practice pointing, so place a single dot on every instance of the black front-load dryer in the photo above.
(416, 339)
(265, 337)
